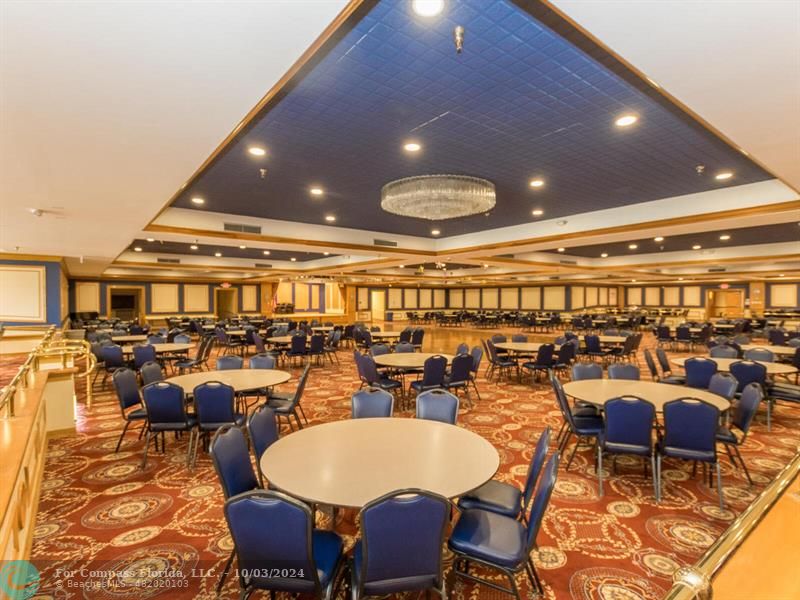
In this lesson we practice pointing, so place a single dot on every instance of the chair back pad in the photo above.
(231, 459)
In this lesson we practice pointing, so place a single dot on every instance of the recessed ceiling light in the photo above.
(217, 254)
(633, 246)
(137, 249)
(242, 247)
(723, 175)
(330, 218)
(266, 252)
(561, 249)
(198, 200)
(151, 239)
(604, 255)
(724, 237)
(326, 253)
(781, 275)
(435, 232)
(427, 8)
(696, 247)
(633, 281)
(412, 147)
(537, 212)
(193, 246)
(626, 120)
(658, 239)
(536, 183)
(485, 266)
(256, 151)
(680, 278)
(316, 191)
(293, 259)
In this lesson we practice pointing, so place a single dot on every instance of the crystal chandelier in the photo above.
(438, 197)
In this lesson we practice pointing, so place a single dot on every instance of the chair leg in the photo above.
(122, 435)
(225, 572)
(658, 479)
(146, 448)
(719, 486)
(744, 466)
(574, 450)
(600, 470)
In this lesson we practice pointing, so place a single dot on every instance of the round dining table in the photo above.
(724, 364)
(385, 335)
(161, 348)
(129, 338)
(280, 339)
(349, 463)
(407, 360)
(322, 328)
(238, 379)
(609, 339)
(519, 347)
(777, 350)
(600, 391)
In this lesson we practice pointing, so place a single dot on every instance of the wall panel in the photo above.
(425, 298)
(23, 293)
(395, 298)
(472, 298)
(410, 297)
(249, 298)
(195, 298)
(634, 296)
(692, 296)
(284, 294)
(164, 298)
(456, 298)
(363, 298)
(301, 296)
(783, 295)
(531, 298)
(672, 296)
(652, 296)
(439, 299)
(489, 297)
(555, 298)
(591, 296)
(509, 298)
(602, 296)
(87, 296)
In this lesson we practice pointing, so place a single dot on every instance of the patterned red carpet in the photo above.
(103, 523)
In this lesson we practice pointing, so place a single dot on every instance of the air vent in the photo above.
(263, 266)
(170, 261)
(554, 278)
(377, 242)
(506, 256)
(568, 262)
(242, 228)
(717, 270)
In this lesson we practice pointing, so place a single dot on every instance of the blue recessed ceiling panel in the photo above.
(520, 102)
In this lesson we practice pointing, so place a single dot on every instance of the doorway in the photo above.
(125, 303)
(377, 301)
(225, 303)
(725, 304)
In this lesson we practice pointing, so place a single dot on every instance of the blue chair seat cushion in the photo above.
(785, 391)
(328, 547)
(179, 426)
(489, 537)
(686, 454)
(386, 383)
(135, 415)
(389, 586)
(726, 436)
(582, 409)
(534, 367)
(495, 496)
(238, 419)
(185, 364)
(281, 405)
(674, 380)
(417, 385)
(505, 363)
(618, 448)
(588, 425)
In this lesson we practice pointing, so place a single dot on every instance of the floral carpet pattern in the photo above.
(108, 530)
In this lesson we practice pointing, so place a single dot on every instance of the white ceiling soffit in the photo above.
(106, 108)
(734, 63)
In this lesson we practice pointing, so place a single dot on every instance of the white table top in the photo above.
(348, 463)
(172, 347)
(322, 328)
(239, 379)
(781, 350)
(519, 346)
(407, 360)
(609, 339)
(723, 364)
(385, 334)
(281, 339)
(724, 325)
(128, 338)
(599, 391)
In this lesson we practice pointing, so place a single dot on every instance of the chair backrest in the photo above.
(663, 361)
(629, 421)
(317, 343)
(165, 403)
(462, 348)
(403, 534)
(433, 370)
(519, 337)
(699, 371)
(759, 354)
(582, 371)
(262, 429)
(378, 349)
(405, 335)
(151, 372)
(651, 365)
(182, 338)
(404, 347)
(271, 530)
(541, 500)
(747, 407)
(723, 384)
(477, 357)
(460, 368)
(535, 467)
(298, 344)
(776, 337)
(127, 388)
(371, 403)
(623, 371)
(592, 343)
(258, 342)
(498, 338)
(723, 351)
(566, 354)
(231, 460)
(262, 361)
(683, 333)
(156, 339)
(690, 424)
(746, 372)
(143, 354)
(112, 356)
(544, 356)
(417, 336)
(213, 402)
(741, 339)
(229, 362)
(301, 385)
(437, 405)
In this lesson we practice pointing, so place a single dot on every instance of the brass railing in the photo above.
(49, 346)
(695, 582)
